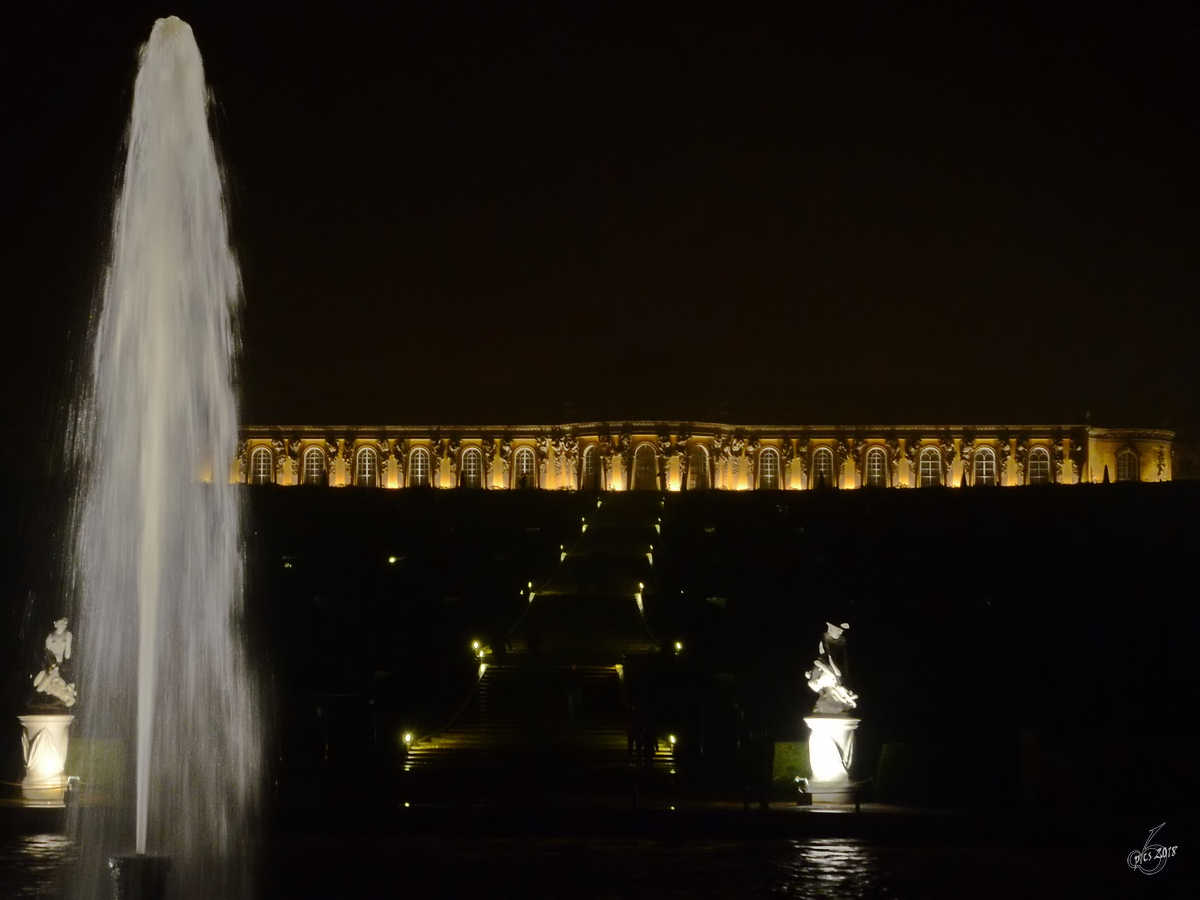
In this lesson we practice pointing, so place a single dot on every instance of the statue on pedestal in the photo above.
(44, 737)
(831, 742)
(829, 668)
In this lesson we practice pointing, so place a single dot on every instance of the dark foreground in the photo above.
(716, 851)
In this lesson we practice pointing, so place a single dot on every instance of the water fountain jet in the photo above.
(158, 549)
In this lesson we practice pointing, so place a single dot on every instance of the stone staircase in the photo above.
(549, 714)
(576, 715)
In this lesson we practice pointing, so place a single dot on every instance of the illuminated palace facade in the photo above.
(676, 456)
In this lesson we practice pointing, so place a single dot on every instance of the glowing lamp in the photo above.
(408, 738)
(391, 559)
(671, 738)
(678, 646)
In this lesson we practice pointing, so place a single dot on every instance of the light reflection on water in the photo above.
(366, 867)
(30, 864)
(829, 867)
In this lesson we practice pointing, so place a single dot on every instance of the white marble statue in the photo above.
(58, 642)
(828, 670)
(50, 680)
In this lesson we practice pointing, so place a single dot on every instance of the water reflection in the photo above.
(829, 867)
(31, 864)
(464, 866)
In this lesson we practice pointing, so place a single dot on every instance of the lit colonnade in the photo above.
(678, 456)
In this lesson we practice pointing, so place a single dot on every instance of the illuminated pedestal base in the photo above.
(45, 744)
(830, 754)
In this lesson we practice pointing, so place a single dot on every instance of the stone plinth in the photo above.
(831, 754)
(45, 744)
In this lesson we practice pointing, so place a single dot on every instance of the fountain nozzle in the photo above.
(139, 876)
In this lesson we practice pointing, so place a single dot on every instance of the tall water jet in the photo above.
(170, 719)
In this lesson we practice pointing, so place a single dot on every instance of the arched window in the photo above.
(930, 467)
(645, 469)
(366, 467)
(876, 467)
(984, 464)
(523, 468)
(1127, 465)
(698, 479)
(591, 468)
(418, 468)
(472, 468)
(261, 465)
(1039, 466)
(768, 469)
(314, 466)
(822, 468)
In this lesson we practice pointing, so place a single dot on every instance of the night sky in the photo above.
(498, 212)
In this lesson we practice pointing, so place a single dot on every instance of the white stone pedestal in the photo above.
(45, 743)
(830, 754)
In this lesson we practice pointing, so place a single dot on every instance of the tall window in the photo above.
(876, 467)
(472, 468)
(645, 469)
(822, 475)
(314, 466)
(591, 469)
(1127, 465)
(930, 467)
(984, 462)
(768, 469)
(523, 462)
(260, 466)
(1039, 466)
(698, 479)
(366, 468)
(418, 468)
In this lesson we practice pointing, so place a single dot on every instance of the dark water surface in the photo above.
(391, 866)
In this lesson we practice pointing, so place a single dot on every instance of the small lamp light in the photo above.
(408, 739)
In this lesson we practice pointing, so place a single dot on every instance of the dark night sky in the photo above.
(495, 212)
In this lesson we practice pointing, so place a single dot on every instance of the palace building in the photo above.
(675, 456)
